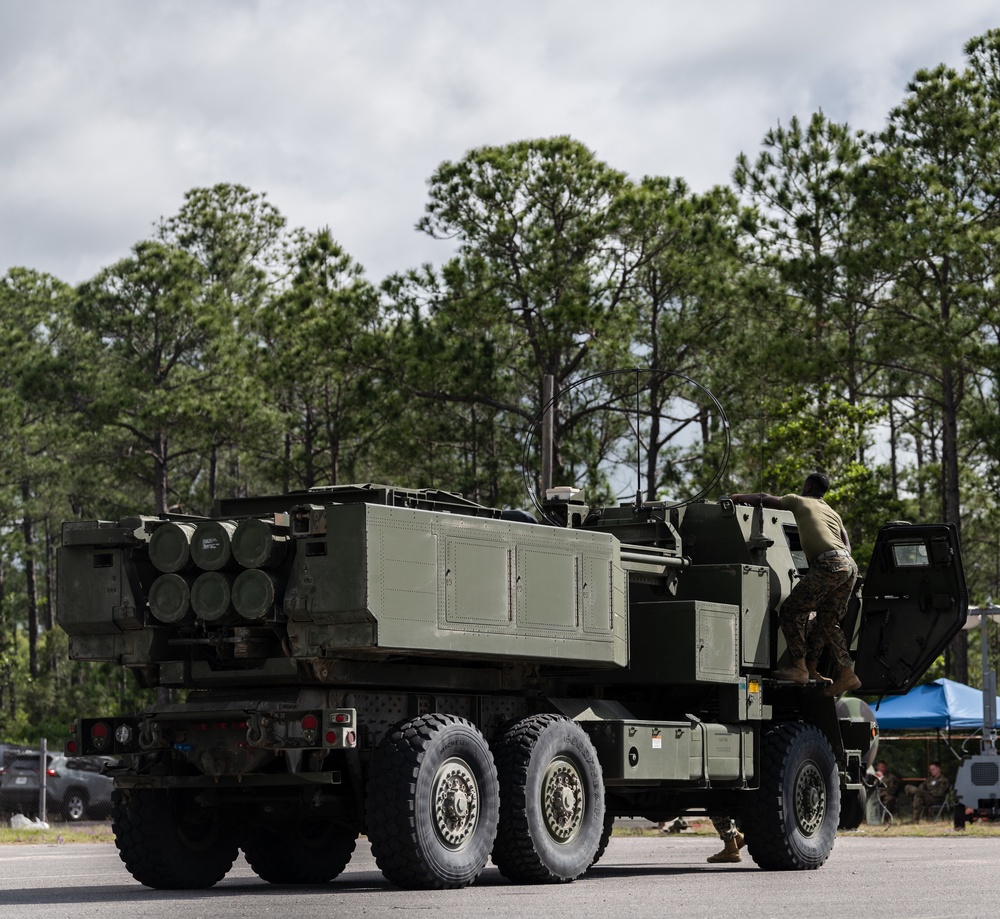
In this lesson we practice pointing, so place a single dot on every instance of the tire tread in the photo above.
(515, 853)
(392, 823)
(142, 824)
(765, 817)
(280, 858)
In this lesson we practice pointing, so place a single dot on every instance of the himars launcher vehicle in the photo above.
(457, 685)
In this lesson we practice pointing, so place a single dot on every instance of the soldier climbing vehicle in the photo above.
(459, 683)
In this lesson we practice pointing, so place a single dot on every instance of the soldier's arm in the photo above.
(758, 499)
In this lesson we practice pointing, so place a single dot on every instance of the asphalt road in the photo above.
(873, 878)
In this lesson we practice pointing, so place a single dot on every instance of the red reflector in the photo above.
(71, 746)
(341, 719)
(98, 730)
(310, 723)
(331, 737)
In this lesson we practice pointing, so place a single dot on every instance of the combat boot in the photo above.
(730, 852)
(814, 674)
(797, 673)
(846, 680)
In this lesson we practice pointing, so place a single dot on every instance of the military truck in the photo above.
(461, 683)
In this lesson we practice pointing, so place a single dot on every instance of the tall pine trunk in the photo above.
(30, 584)
(952, 505)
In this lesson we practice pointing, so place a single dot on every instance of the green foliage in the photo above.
(840, 301)
(453, 352)
(930, 192)
(537, 224)
(153, 343)
(48, 704)
(320, 337)
(539, 215)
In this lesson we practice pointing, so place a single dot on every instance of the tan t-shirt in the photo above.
(819, 524)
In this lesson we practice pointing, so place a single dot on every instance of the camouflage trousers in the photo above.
(725, 827)
(825, 588)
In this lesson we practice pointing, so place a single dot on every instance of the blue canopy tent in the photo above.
(941, 705)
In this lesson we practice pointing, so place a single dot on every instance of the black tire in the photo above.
(852, 809)
(790, 822)
(609, 826)
(74, 805)
(433, 803)
(170, 842)
(551, 801)
(312, 852)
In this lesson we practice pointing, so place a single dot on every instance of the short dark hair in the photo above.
(818, 483)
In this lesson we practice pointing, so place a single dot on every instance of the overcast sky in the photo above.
(341, 109)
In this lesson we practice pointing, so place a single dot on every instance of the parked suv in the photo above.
(74, 786)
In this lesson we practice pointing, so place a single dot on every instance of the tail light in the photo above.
(124, 735)
(340, 729)
(310, 727)
(99, 735)
(348, 739)
(108, 736)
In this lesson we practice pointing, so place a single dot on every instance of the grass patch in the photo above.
(57, 835)
(936, 828)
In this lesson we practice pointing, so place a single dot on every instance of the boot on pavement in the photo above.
(730, 852)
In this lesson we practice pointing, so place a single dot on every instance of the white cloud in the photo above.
(340, 111)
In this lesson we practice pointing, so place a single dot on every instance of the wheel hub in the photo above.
(456, 803)
(563, 800)
(810, 799)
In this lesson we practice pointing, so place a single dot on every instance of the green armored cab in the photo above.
(459, 685)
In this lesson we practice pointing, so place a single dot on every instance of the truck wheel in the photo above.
(168, 841)
(551, 801)
(313, 852)
(609, 826)
(791, 820)
(852, 809)
(74, 805)
(433, 803)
